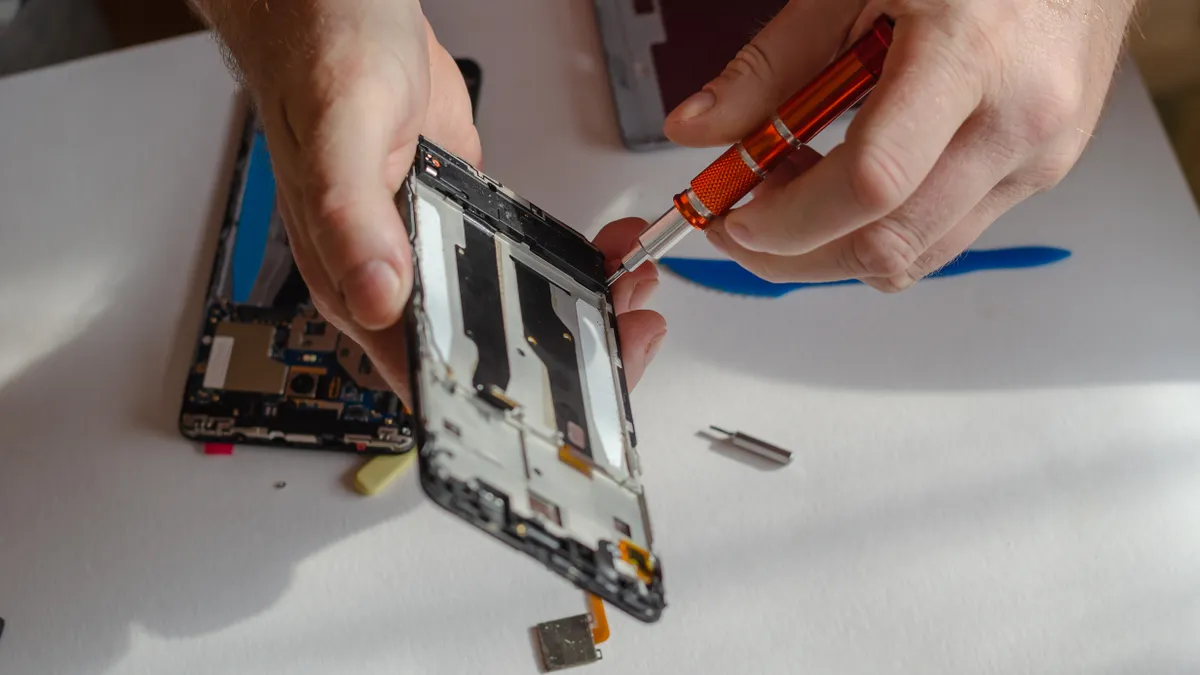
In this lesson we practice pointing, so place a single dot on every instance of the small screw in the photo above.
(280, 485)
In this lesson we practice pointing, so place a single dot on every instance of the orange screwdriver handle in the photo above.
(742, 167)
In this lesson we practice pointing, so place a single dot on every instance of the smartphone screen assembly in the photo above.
(523, 418)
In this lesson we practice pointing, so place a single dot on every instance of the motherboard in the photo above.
(268, 369)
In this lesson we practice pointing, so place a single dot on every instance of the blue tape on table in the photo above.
(729, 277)
(254, 219)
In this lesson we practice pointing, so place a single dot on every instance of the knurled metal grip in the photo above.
(720, 186)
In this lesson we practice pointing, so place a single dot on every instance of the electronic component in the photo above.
(659, 52)
(239, 359)
(310, 332)
(566, 643)
(756, 446)
(358, 368)
(268, 368)
(725, 182)
(526, 429)
(600, 629)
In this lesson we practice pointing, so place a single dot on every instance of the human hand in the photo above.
(343, 89)
(981, 104)
(641, 331)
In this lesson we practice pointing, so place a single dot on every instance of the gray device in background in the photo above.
(659, 52)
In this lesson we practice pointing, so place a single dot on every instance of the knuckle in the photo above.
(341, 69)
(771, 272)
(892, 285)
(1051, 107)
(879, 179)
(987, 33)
(334, 215)
(330, 309)
(752, 61)
(1049, 169)
(881, 250)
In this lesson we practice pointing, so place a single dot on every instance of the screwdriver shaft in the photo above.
(756, 446)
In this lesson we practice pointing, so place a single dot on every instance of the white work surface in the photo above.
(998, 473)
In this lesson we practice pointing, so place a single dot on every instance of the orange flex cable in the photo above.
(600, 630)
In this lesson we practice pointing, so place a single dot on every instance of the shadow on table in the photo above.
(1121, 310)
(1035, 550)
(175, 545)
(171, 546)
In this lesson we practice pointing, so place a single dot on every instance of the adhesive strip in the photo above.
(601, 385)
(435, 286)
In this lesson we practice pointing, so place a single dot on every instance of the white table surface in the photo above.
(994, 474)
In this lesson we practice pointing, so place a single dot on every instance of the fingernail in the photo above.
(654, 345)
(372, 293)
(717, 241)
(739, 233)
(641, 293)
(696, 104)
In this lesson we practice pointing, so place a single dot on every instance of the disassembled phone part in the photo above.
(659, 52)
(523, 415)
(756, 446)
(572, 641)
(267, 368)
(566, 643)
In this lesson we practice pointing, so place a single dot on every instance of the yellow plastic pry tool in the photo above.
(600, 630)
(380, 471)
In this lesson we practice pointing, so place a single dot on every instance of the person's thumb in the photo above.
(349, 214)
(789, 51)
(449, 121)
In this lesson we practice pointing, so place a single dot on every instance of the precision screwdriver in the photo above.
(742, 167)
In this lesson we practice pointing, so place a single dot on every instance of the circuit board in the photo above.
(268, 369)
(522, 409)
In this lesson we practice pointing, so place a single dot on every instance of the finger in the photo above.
(923, 98)
(843, 259)
(351, 220)
(633, 290)
(789, 51)
(963, 177)
(642, 333)
(953, 243)
(814, 266)
(449, 121)
(320, 288)
(388, 351)
(803, 159)
(618, 238)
